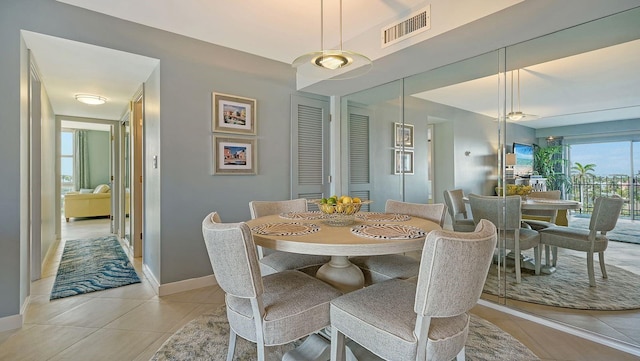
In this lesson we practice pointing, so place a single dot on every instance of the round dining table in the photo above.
(372, 233)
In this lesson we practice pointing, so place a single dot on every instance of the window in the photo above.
(66, 161)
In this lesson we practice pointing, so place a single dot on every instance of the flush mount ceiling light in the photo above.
(90, 99)
(517, 115)
(334, 64)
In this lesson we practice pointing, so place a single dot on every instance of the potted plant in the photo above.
(550, 163)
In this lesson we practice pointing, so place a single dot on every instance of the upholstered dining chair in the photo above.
(383, 267)
(454, 199)
(272, 261)
(603, 219)
(399, 320)
(539, 219)
(270, 310)
(515, 236)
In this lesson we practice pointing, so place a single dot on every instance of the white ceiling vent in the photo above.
(411, 25)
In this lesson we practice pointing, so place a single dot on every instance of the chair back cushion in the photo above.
(267, 208)
(453, 270)
(605, 214)
(233, 257)
(434, 212)
(546, 214)
(491, 208)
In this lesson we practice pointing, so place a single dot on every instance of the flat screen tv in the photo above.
(524, 159)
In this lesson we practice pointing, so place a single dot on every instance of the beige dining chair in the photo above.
(399, 320)
(517, 238)
(272, 261)
(454, 199)
(603, 219)
(383, 267)
(272, 310)
(539, 219)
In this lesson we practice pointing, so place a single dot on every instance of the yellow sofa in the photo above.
(95, 204)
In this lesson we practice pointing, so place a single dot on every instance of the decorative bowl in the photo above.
(339, 214)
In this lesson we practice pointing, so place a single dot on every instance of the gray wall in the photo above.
(182, 190)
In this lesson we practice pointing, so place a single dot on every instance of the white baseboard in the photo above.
(180, 286)
(10, 323)
(186, 285)
(587, 335)
(152, 279)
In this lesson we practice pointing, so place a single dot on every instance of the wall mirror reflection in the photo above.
(575, 91)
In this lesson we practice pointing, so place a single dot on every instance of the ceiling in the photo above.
(276, 30)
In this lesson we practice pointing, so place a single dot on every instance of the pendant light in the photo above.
(331, 64)
(518, 114)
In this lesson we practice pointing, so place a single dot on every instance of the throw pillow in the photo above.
(86, 190)
(102, 188)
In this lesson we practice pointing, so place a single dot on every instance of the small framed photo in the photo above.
(236, 156)
(233, 114)
(403, 135)
(403, 162)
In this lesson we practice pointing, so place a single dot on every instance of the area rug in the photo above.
(90, 265)
(207, 337)
(568, 286)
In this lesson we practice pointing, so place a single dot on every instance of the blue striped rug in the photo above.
(90, 265)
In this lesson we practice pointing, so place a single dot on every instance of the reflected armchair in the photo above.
(603, 219)
(454, 199)
(516, 238)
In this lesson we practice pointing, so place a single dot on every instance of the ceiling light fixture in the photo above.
(90, 99)
(331, 63)
(517, 115)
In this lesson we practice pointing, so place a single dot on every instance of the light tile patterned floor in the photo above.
(131, 322)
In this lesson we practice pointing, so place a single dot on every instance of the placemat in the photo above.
(388, 231)
(303, 215)
(383, 217)
(286, 229)
(558, 201)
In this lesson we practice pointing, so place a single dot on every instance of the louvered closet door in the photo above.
(359, 154)
(310, 148)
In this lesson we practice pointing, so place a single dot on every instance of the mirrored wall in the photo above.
(447, 128)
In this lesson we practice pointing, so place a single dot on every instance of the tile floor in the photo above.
(131, 322)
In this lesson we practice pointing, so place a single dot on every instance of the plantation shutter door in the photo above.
(310, 148)
(359, 154)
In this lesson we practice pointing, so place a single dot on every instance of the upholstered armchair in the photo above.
(397, 320)
(454, 199)
(603, 219)
(272, 261)
(516, 237)
(388, 266)
(270, 310)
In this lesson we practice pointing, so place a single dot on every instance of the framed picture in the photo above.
(233, 114)
(235, 156)
(403, 135)
(403, 162)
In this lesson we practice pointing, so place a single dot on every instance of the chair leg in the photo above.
(232, 345)
(554, 250)
(602, 267)
(337, 345)
(547, 255)
(460, 356)
(592, 278)
(261, 352)
(537, 255)
(517, 261)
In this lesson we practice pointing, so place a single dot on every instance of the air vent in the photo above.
(413, 24)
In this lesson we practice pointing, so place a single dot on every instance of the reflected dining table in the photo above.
(372, 233)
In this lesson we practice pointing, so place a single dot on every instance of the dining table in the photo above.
(370, 234)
